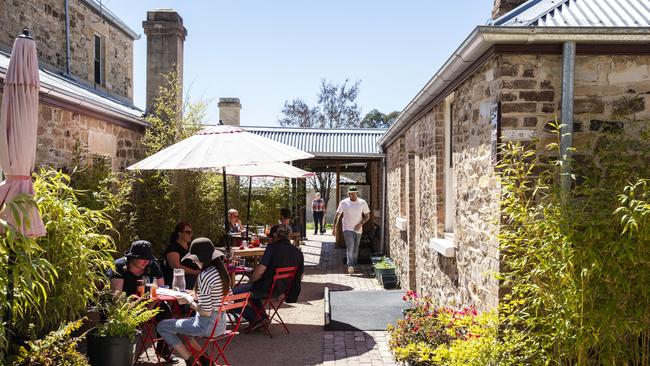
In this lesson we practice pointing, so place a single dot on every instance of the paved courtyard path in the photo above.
(308, 343)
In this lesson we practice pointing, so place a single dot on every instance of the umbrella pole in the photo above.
(248, 210)
(225, 208)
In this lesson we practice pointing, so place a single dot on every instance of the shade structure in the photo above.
(275, 170)
(18, 126)
(220, 147)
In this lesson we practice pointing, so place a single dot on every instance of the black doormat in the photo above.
(362, 310)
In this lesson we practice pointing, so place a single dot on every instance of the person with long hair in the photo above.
(179, 245)
(213, 284)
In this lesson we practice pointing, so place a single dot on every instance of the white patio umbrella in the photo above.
(220, 147)
(275, 170)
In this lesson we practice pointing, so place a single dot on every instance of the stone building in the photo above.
(86, 71)
(537, 61)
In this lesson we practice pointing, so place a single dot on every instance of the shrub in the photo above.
(76, 248)
(430, 335)
(57, 348)
(575, 261)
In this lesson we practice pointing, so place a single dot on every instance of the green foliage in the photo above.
(384, 263)
(376, 119)
(576, 263)
(22, 260)
(430, 335)
(57, 348)
(76, 245)
(124, 315)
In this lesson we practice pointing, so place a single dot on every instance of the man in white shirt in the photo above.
(355, 213)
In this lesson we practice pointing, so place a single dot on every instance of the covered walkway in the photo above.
(308, 343)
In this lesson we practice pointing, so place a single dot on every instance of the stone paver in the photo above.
(308, 343)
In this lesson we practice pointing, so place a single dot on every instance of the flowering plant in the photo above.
(430, 335)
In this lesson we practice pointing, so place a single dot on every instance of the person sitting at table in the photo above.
(213, 284)
(234, 224)
(178, 247)
(285, 219)
(278, 254)
(138, 262)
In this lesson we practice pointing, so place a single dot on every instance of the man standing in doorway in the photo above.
(352, 213)
(318, 210)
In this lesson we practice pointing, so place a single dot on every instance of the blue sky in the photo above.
(267, 52)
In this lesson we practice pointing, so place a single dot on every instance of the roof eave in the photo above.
(112, 18)
(484, 37)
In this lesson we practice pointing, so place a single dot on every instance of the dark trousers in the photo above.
(249, 314)
(318, 220)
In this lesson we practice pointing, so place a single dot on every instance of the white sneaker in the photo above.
(350, 270)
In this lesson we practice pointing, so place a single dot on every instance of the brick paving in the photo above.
(308, 343)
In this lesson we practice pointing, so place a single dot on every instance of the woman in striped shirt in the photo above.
(212, 285)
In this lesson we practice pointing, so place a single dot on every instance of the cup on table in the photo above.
(244, 243)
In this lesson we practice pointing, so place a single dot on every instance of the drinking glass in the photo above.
(178, 283)
(242, 262)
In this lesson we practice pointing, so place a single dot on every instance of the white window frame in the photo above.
(450, 176)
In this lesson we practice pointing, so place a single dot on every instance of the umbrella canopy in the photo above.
(18, 126)
(220, 147)
(276, 170)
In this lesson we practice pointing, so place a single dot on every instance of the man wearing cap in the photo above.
(352, 213)
(138, 262)
(280, 253)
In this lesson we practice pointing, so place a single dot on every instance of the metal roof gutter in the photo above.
(483, 38)
(105, 13)
(87, 103)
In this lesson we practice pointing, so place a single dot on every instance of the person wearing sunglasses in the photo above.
(179, 244)
(234, 223)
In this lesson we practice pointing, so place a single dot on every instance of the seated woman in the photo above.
(178, 247)
(234, 224)
(212, 285)
(138, 262)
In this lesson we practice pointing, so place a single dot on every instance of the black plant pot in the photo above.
(110, 351)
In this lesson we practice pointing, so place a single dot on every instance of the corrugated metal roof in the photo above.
(83, 95)
(323, 142)
(579, 13)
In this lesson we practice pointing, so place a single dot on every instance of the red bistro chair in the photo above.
(214, 347)
(272, 304)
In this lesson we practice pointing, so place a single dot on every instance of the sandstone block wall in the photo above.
(60, 130)
(611, 93)
(46, 20)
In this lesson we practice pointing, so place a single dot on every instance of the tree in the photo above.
(376, 119)
(337, 108)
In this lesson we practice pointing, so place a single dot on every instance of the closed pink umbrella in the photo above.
(18, 131)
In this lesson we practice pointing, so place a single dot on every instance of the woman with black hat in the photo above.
(138, 262)
(212, 285)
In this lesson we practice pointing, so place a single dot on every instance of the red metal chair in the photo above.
(271, 304)
(214, 347)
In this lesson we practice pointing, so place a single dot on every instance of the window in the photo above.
(98, 61)
(450, 180)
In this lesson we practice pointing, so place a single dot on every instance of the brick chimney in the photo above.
(229, 109)
(165, 37)
(504, 6)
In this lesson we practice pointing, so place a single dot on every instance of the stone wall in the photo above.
(46, 20)
(60, 131)
(611, 92)
(468, 277)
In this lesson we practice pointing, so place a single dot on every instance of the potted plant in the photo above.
(56, 348)
(385, 272)
(112, 342)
